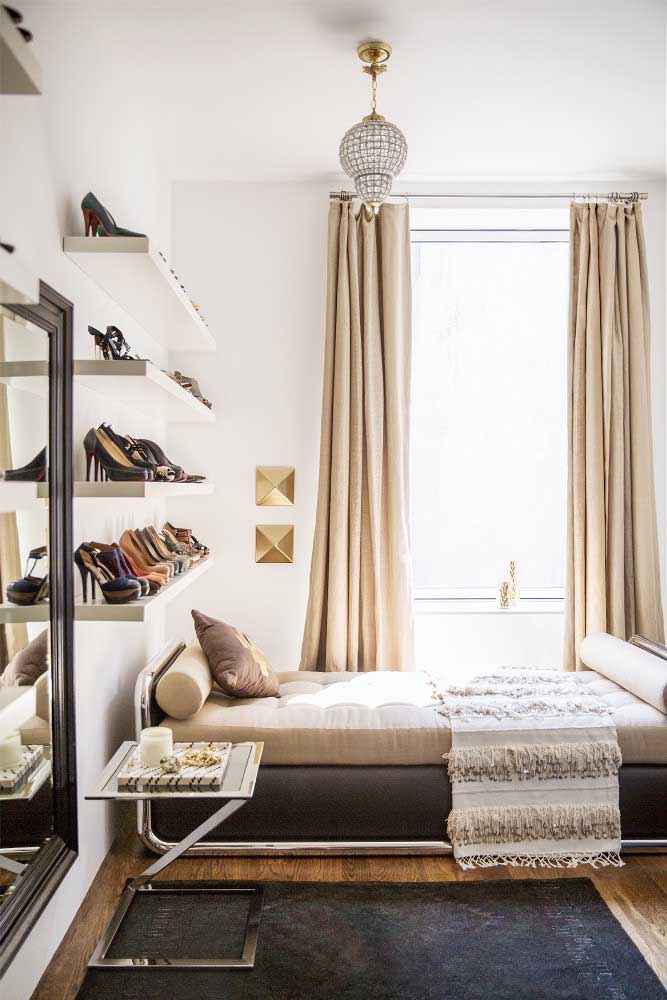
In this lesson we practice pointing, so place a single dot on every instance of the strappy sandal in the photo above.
(30, 589)
(140, 449)
(120, 348)
(185, 535)
(191, 384)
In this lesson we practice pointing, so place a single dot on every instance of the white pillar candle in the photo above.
(11, 750)
(156, 741)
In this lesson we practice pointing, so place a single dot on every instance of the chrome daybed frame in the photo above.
(148, 713)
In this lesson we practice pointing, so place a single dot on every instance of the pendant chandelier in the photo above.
(374, 151)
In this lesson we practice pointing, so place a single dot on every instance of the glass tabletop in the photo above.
(238, 781)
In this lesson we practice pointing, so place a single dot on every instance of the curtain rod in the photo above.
(572, 196)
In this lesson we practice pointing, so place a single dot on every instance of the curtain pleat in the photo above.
(14, 637)
(359, 613)
(613, 571)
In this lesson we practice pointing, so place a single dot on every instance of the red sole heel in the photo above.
(91, 221)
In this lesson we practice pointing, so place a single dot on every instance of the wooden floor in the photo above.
(636, 894)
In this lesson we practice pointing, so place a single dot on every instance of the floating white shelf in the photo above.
(138, 279)
(138, 385)
(138, 611)
(142, 386)
(17, 285)
(12, 613)
(133, 491)
(99, 611)
(14, 496)
(19, 70)
(29, 376)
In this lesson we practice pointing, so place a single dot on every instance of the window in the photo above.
(489, 457)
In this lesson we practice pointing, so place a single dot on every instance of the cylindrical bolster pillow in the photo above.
(186, 685)
(43, 697)
(639, 672)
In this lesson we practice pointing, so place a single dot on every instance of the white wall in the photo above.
(258, 268)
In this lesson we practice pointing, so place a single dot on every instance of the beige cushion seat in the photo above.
(381, 718)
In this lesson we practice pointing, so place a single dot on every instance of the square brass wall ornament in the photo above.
(274, 543)
(274, 485)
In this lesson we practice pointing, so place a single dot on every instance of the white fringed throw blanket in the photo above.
(534, 772)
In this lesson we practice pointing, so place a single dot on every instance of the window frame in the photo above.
(484, 599)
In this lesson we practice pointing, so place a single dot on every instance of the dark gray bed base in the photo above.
(371, 808)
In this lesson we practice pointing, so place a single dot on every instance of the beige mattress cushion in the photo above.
(381, 718)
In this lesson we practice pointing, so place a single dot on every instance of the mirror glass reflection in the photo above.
(26, 798)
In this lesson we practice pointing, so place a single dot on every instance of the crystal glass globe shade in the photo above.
(373, 153)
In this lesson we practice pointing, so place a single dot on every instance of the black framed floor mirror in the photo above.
(38, 792)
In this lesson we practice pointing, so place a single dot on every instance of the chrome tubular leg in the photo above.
(175, 852)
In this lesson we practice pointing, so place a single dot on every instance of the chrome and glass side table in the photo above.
(238, 787)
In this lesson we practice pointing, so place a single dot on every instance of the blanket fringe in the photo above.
(526, 760)
(606, 859)
(515, 709)
(497, 825)
(514, 688)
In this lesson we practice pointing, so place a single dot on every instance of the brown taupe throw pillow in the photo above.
(29, 663)
(237, 664)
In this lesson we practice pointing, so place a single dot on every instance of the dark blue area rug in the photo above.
(504, 940)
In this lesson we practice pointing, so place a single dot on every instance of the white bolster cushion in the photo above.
(642, 674)
(43, 697)
(183, 689)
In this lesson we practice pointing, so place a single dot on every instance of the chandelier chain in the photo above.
(374, 150)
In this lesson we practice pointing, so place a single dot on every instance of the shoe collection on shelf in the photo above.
(113, 346)
(123, 458)
(99, 221)
(142, 562)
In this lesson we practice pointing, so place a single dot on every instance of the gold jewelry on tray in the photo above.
(208, 757)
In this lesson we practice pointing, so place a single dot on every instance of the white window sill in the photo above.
(467, 606)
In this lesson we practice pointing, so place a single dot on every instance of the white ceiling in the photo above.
(255, 90)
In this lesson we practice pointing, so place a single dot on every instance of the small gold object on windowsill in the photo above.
(504, 594)
(514, 582)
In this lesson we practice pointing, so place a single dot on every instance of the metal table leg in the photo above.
(143, 884)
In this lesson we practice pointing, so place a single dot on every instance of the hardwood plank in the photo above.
(636, 894)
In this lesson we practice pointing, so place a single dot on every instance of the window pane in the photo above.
(489, 465)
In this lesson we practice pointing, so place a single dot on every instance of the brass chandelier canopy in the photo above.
(374, 151)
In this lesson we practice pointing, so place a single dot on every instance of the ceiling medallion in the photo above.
(374, 151)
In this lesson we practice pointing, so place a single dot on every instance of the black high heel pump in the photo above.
(110, 461)
(99, 221)
(33, 472)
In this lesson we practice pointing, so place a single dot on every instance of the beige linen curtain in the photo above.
(613, 576)
(360, 604)
(12, 637)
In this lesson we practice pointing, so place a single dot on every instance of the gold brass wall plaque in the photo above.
(274, 543)
(274, 485)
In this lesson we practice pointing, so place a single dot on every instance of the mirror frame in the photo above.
(54, 857)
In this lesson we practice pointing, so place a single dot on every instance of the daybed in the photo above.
(353, 762)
